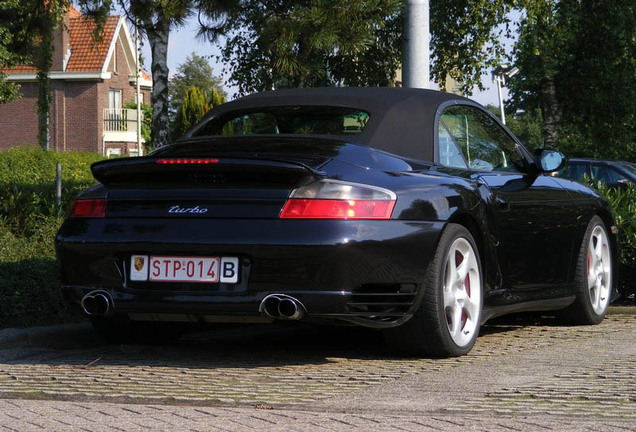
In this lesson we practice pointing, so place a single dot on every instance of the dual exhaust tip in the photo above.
(97, 303)
(275, 306)
(282, 306)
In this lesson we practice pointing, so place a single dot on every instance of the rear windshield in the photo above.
(303, 120)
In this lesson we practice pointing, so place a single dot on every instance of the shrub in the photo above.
(623, 202)
(27, 185)
(29, 278)
(36, 167)
(29, 219)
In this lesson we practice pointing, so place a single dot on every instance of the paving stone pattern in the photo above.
(283, 378)
(250, 373)
(26, 415)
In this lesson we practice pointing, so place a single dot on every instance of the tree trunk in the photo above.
(551, 111)
(43, 61)
(158, 35)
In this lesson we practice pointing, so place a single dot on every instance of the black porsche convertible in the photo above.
(412, 211)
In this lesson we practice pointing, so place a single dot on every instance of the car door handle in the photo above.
(502, 203)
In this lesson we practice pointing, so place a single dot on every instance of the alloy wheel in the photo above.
(462, 292)
(599, 270)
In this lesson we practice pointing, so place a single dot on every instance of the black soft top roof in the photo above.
(401, 119)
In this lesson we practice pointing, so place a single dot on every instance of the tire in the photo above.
(119, 329)
(446, 324)
(593, 277)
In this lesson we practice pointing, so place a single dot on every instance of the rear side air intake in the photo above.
(382, 302)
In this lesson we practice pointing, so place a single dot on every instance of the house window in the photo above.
(141, 97)
(114, 99)
(116, 120)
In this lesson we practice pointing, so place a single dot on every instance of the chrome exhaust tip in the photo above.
(282, 306)
(290, 308)
(97, 303)
(269, 306)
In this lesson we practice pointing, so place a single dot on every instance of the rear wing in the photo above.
(203, 172)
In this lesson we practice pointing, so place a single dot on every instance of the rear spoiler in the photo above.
(157, 171)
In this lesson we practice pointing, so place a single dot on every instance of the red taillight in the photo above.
(337, 209)
(187, 161)
(90, 208)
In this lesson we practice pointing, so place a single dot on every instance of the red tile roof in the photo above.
(24, 69)
(89, 55)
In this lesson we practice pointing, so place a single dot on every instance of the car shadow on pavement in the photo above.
(241, 346)
(516, 321)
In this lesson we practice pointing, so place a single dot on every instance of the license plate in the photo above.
(184, 269)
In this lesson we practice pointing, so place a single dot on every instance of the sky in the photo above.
(184, 42)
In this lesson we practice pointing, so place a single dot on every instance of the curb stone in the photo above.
(13, 338)
(45, 336)
(621, 310)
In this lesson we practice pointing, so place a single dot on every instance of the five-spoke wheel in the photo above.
(599, 274)
(593, 276)
(462, 291)
(447, 321)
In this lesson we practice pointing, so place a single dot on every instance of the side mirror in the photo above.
(549, 160)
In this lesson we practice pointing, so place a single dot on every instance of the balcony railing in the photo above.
(120, 120)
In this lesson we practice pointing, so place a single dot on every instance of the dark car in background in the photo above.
(615, 174)
(411, 211)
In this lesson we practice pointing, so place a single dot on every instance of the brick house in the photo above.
(91, 82)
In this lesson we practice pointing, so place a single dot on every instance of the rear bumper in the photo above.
(366, 272)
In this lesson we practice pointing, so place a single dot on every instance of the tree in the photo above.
(528, 127)
(278, 43)
(599, 84)
(216, 99)
(577, 66)
(194, 72)
(193, 107)
(11, 53)
(358, 42)
(155, 19)
(540, 52)
(467, 39)
(8, 91)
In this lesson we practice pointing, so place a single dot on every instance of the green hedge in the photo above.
(623, 202)
(29, 281)
(29, 219)
(36, 167)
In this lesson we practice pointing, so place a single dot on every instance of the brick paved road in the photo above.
(520, 376)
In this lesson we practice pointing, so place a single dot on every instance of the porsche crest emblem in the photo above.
(139, 263)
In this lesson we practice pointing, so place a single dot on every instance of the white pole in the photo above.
(58, 184)
(138, 88)
(416, 66)
(500, 83)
